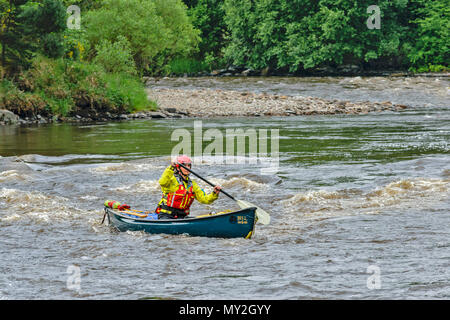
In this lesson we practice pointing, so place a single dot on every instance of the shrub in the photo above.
(116, 57)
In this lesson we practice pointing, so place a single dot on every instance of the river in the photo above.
(359, 204)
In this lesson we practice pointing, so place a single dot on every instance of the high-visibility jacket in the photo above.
(180, 194)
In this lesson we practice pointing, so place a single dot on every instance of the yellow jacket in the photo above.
(169, 184)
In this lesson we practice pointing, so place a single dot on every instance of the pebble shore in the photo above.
(209, 103)
(204, 103)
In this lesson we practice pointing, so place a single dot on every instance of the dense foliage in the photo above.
(208, 17)
(157, 30)
(46, 69)
(147, 37)
(305, 35)
(299, 35)
(28, 27)
(430, 48)
(119, 41)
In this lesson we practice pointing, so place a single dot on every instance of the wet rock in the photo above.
(7, 117)
(327, 70)
(171, 110)
(265, 72)
(157, 115)
(218, 72)
(235, 69)
(173, 115)
(348, 69)
(183, 113)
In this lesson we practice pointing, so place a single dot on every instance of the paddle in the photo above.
(262, 216)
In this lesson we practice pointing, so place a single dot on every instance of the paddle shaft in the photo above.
(261, 215)
(211, 184)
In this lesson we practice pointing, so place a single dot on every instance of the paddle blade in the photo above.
(262, 216)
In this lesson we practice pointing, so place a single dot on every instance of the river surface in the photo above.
(360, 204)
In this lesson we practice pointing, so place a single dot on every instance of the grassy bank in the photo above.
(64, 87)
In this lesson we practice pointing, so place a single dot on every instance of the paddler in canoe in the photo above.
(180, 191)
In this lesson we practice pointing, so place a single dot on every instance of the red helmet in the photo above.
(184, 160)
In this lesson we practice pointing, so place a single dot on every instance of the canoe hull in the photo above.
(239, 224)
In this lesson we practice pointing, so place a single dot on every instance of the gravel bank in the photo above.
(208, 103)
(204, 103)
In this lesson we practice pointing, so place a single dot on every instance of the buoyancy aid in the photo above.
(178, 203)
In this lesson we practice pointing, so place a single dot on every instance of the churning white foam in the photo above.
(408, 193)
(34, 205)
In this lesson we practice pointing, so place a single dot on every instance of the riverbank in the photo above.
(341, 71)
(9, 118)
(206, 97)
(208, 103)
(205, 103)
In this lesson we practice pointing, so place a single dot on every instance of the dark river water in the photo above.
(360, 204)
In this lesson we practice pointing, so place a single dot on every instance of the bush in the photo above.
(75, 44)
(24, 104)
(53, 45)
(128, 91)
(116, 57)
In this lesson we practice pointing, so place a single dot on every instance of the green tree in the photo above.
(208, 17)
(28, 27)
(302, 35)
(157, 30)
(44, 23)
(431, 45)
(15, 51)
(84, 5)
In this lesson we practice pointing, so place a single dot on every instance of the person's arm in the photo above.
(201, 196)
(167, 177)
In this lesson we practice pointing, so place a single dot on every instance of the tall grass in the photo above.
(129, 91)
(188, 66)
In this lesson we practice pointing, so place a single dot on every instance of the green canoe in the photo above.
(238, 224)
